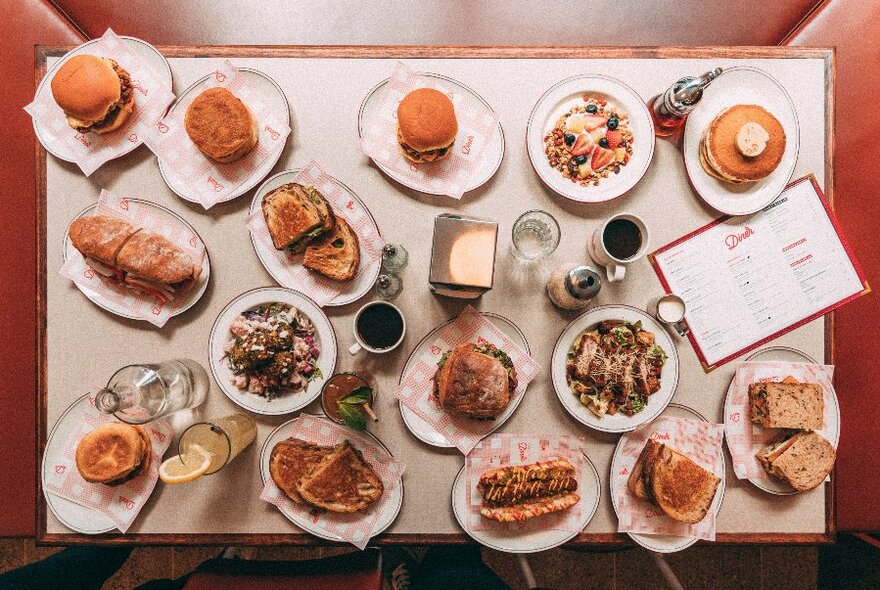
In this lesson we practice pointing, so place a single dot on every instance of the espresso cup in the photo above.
(621, 239)
(379, 326)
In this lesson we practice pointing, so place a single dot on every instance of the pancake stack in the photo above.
(744, 143)
(113, 454)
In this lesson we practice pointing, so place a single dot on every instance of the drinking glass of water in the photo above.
(535, 235)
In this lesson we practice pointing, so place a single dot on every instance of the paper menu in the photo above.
(749, 279)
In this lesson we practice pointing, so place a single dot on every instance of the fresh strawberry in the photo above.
(582, 145)
(594, 121)
(601, 158)
(614, 137)
(625, 158)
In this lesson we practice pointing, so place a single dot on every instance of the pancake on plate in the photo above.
(744, 143)
(221, 125)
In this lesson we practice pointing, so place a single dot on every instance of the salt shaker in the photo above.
(388, 286)
(573, 286)
(394, 258)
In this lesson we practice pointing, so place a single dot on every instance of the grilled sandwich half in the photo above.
(295, 215)
(341, 482)
(335, 254)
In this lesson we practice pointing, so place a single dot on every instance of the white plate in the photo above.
(667, 543)
(493, 152)
(75, 517)
(741, 85)
(325, 340)
(186, 300)
(788, 355)
(356, 288)
(419, 427)
(391, 509)
(512, 541)
(272, 95)
(557, 101)
(620, 422)
(142, 49)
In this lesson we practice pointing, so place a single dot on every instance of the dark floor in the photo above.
(752, 568)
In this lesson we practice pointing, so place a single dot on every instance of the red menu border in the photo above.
(844, 242)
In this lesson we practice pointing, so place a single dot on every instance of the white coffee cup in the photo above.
(361, 344)
(615, 258)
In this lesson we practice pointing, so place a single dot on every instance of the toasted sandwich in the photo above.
(336, 254)
(787, 405)
(341, 482)
(683, 490)
(475, 381)
(295, 216)
(525, 491)
(134, 257)
(291, 460)
(802, 460)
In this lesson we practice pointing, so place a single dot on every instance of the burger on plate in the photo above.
(426, 125)
(114, 453)
(475, 380)
(94, 92)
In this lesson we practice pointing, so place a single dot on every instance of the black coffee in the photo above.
(622, 238)
(380, 326)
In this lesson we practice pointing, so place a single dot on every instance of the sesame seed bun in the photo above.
(221, 125)
(94, 92)
(426, 123)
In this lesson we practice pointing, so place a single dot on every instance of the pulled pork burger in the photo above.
(426, 125)
(94, 92)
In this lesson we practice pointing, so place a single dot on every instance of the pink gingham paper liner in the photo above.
(213, 182)
(450, 176)
(357, 528)
(321, 289)
(744, 439)
(701, 442)
(91, 150)
(504, 450)
(140, 305)
(417, 385)
(122, 503)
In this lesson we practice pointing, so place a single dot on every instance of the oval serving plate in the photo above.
(741, 85)
(273, 96)
(139, 47)
(494, 151)
(357, 287)
(419, 427)
(75, 517)
(620, 422)
(667, 543)
(188, 299)
(392, 507)
(325, 340)
(561, 97)
(831, 431)
(513, 541)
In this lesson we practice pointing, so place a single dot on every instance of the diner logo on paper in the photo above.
(734, 240)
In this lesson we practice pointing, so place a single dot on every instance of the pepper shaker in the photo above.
(573, 286)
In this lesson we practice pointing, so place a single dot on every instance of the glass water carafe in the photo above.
(138, 394)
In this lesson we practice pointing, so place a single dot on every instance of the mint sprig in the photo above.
(348, 407)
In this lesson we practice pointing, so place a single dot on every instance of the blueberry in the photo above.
(613, 122)
(603, 142)
(591, 108)
(580, 159)
(569, 138)
(617, 169)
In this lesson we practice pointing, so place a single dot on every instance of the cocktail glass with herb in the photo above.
(348, 398)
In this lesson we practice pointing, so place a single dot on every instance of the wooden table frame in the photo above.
(43, 537)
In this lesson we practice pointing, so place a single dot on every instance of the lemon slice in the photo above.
(181, 469)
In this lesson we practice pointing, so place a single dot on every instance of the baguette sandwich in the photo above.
(525, 491)
(802, 460)
(133, 256)
(683, 490)
(787, 405)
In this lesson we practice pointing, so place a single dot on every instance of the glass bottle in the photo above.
(389, 286)
(394, 258)
(670, 109)
(138, 394)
